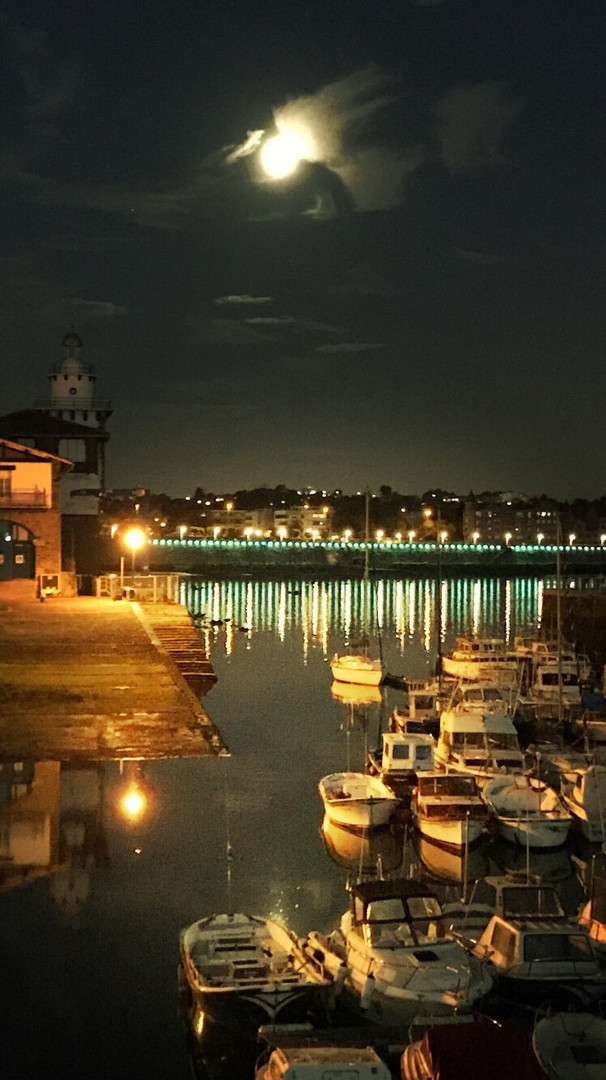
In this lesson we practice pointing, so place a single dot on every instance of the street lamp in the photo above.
(134, 539)
(603, 539)
(475, 537)
(508, 538)
(443, 537)
(540, 538)
(379, 535)
(411, 536)
(571, 539)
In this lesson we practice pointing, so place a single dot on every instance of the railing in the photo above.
(148, 588)
(26, 497)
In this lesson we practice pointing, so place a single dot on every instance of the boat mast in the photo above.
(559, 618)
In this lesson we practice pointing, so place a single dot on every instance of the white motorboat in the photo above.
(528, 811)
(477, 736)
(357, 800)
(401, 759)
(392, 958)
(552, 684)
(312, 1060)
(537, 952)
(243, 971)
(483, 660)
(571, 1045)
(357, 668)
(448, 809)
(584, 793)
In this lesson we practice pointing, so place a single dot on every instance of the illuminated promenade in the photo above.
(347, 557)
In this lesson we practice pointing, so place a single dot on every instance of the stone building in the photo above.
(70, 424)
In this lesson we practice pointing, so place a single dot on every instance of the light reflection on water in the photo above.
(329, 614)
(93, 903)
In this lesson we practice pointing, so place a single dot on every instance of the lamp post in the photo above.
(134, 539)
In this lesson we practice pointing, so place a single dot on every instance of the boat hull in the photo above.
(452, 835)
(360, 670)
(357, 801)
(243, 971)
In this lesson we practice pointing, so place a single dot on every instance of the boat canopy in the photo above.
(491, 723)
(451, 1056)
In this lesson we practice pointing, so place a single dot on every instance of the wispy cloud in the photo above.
(243, 298)
(96, 309)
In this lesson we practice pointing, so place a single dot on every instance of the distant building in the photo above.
(498, 518)
(30, 515)
(70, 424)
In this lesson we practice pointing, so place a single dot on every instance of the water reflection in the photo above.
(328, 614)
(375, 854)
(92, 902)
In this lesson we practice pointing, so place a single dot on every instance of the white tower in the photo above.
(72, 384)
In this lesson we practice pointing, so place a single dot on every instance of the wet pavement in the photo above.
(84, 677)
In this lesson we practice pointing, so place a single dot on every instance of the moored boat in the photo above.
(401, 759)
(243, 971)
(357, 800)
(448, 809)
(571, 1045)
(357, 668)
(527, 811)
(393, 959)
(481, 659)
(477, 735)
(476, 1050)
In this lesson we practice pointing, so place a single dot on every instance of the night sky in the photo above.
(420, 304)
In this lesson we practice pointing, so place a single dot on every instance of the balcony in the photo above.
(25, 499)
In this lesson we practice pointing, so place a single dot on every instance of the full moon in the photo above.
(281, 154)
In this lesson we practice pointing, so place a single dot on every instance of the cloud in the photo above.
(218, 332)
(342, 127)
(350, 347)
(96, 309)
(244, 298)
(472, 122)
(292, 321)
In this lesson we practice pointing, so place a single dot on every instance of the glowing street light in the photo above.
(134, 539)
(347, 535)
(540, 538)
(182, 531)
(411, 536)
(508, 538)
(379, 535)
(443, 537)
(603, 539)
(571, 539)
(475, 537)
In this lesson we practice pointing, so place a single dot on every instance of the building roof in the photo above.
(14, 451)
(31, 423)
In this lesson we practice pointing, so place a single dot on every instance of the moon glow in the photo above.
(281, 155)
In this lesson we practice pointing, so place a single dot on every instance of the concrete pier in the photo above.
(90, 678)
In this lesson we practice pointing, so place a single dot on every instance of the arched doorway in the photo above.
(17, 551)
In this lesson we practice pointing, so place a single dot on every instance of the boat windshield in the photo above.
(530, 901)
(557, 947)
(447, 784)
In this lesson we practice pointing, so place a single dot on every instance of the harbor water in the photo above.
(90, 944)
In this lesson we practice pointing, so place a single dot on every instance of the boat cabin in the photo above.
(403, 756)
(482, 697)
(449, 795)
(546, 684)
(390, 914)
(479, 743)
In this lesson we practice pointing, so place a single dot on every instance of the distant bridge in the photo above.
(347, 558)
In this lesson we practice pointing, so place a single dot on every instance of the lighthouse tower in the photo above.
(72, 386)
